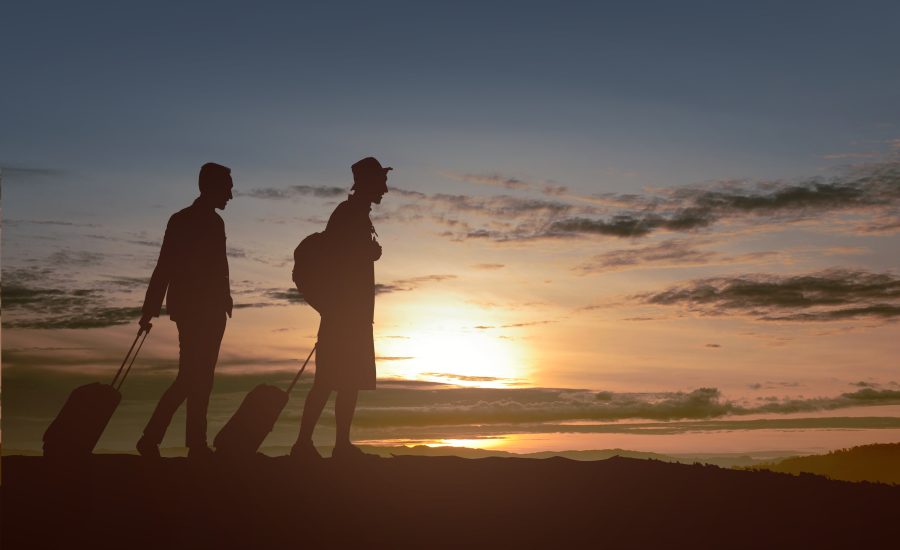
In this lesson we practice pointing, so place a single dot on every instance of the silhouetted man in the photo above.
(192, 273)
(345, 356)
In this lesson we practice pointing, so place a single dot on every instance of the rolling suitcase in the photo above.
(78, 426)
(242, 435)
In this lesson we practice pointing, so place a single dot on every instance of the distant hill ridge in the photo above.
(878, 463)
(726, 460)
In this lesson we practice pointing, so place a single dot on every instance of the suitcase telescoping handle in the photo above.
(302, 368)
(143, 331)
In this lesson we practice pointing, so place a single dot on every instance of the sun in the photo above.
(455, 349)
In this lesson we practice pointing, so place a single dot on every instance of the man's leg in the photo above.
(159, 421)
(312, 409)
(203, 338)
(344, 408)
(316, 399)
(171, 399)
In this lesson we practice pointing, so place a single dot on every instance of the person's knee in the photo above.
(319, 389)
(347, 396)
(180, 385)
(317, 397)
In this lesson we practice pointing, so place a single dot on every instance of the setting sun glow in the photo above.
(455, 348)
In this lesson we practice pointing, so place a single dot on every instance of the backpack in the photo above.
(311, 273)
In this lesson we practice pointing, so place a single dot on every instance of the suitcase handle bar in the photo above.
(302, 368)
(143, 331)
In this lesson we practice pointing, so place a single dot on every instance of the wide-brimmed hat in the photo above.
(366, 168)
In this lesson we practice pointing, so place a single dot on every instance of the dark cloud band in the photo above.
(294, 191)
(825, 296)
(873, 190)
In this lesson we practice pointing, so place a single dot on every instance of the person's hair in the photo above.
(211, 175)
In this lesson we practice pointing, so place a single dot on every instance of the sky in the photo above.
(646, 225)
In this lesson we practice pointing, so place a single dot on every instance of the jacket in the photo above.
(192, 269)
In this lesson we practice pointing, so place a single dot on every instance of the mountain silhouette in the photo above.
(878, 463)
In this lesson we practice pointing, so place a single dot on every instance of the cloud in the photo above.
(95, 317)
(494, 179)
(503, 206)
(871, 395)
(61, 309)
(129, 282)
(668, 253)
(381, 288)
(863, 397)
(414, 282)
(499, 217)
(870, 192)
(554, 189)
(49, 222)
(411, 283)
(75, 258)
(547, 187)
(769, 385)
(407, 193)
(536, 405)
(829, 295)
(679, 253)
(43, 349)
(293, 296)
(689, 209)
(489, 267)
(632, 225)
(30, 301)
(11, 173)
(295, 191)
(542, 406)
(283, 296)
(465, 378)
(131, 240)
(514, 325)
(852, 155)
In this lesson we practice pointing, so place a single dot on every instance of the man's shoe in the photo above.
(305, 451)
(351, 452)
(201, 453)
(147, 449)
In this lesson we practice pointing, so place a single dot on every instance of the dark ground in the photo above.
(125, 502)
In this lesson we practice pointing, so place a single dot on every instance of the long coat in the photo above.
(345, 357)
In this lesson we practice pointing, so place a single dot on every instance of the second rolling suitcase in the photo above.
(242, 435)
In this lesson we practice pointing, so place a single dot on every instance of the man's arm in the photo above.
(162, 275)
(229, 302)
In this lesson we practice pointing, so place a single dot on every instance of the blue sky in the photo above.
(752, 90)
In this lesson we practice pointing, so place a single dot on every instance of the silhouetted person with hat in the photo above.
(192, 273)
(345, 356)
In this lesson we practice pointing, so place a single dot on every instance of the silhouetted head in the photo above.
(215, 184)
(370, 179)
